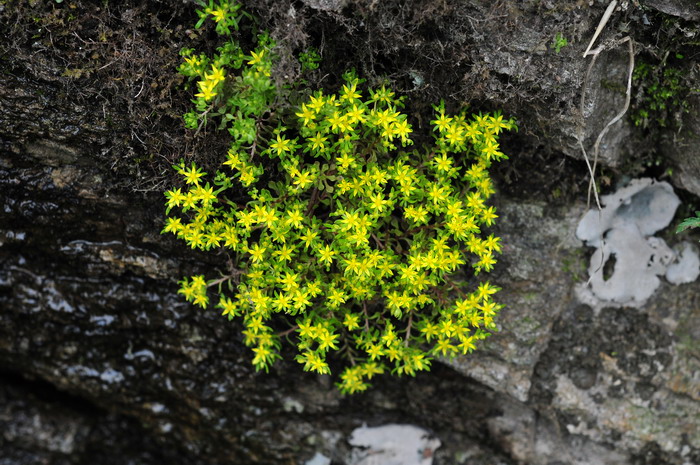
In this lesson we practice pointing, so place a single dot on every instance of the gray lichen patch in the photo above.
(627, 263)
(644, 203)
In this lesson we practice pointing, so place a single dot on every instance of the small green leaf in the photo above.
(692, 222)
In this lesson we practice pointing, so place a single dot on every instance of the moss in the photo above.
(662, 92)
(664, 76)
(575, 264)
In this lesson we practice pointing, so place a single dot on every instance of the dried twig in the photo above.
(628, 95)
(601, 25)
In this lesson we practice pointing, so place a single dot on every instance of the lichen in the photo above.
(622, 233)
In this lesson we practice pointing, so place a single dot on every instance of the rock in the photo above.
(686, 9)
(538, 290)
(683, 148)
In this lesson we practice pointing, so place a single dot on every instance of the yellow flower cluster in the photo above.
(344, 231)
(195, 290)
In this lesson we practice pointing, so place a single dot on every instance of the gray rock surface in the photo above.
(686, 9)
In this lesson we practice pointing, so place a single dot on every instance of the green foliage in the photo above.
(309, 59)
(343, 236)
(559, 42)
(662, 91)
(692, 222)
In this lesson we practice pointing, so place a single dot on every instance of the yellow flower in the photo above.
(437, 194)
(256, 57)
(384, 118)
(263, 354)
(318, 365)
(467, 345)
(336, 121)
(455, 136)
(192, 175)
(282, 145)
(316, 103)
(375, 351)
(336, 297)
(488, 215)
(382, 95)
(175, 198)
(350, 93)
(491, 151)
(304, 179)
(345, 161)
(282, 302)
(173, 225)
(443, 346)
(205, 195)
(257, 253)
(284, 253)
(392, 353)
(493, 243)
(463, 307)
(442, 162)
(326, 254)
(290, 281)
(306, 114)
(230, 238)
(193, 61)
(355, 115)
(301, 300)
(318, 142)
(201, 299)
(352, 265)
(229, 306)
(473, 131)
(490, 308)
(294, 218)
(351, 321)
(485, 290)
(186, 290)
(327, 340)
(219, 14)
(255, 324)
(487, 261)
(378, 203)
(402, 129)
(206, 89)
(217, 74)
(307, 328)
(496, 123)
(442, 122)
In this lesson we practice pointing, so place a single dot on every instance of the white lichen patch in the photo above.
(392, 445)
(628, 261)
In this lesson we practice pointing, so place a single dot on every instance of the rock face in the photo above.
(101, 361)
